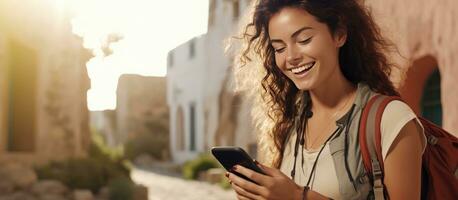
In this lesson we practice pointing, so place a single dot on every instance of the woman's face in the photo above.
(305, 50)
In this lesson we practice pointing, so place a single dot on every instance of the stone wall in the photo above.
(142, 117)
(422, 29)
(59, 114)
(139, 99)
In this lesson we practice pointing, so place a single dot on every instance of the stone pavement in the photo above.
(162, 187)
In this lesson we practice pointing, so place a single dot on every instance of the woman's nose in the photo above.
(294, 57)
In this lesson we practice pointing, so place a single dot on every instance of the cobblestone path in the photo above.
(162, 187)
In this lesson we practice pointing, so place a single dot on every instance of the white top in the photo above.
(324, 180)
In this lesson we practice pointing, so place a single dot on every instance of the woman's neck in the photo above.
(333, 95)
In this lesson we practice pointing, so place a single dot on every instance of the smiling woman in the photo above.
(316, 64)
(144, 38)
(300, 43)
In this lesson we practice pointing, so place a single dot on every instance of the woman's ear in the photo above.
(340, 37)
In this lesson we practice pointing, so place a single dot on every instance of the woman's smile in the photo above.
(302, 70)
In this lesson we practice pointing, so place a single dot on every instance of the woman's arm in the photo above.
(403, 163)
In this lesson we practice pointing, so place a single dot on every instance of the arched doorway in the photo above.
(22, 96)
(431, 107)
(421, 89)
(180, 143)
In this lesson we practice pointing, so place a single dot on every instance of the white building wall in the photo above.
(185, 86)
(200, 80)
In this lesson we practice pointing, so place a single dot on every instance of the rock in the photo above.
(20, 195)
(49, 187)
(52, 197)
(104, 193)
(144, 160)
(83, 195)
(6, 187)
(202, 176)
(19, 175)
(140, 192)
(214, 175)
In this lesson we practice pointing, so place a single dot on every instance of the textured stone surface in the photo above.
(60, 128)
(18, 196)
(140, 192)
(144, 160)
(19, 175)
(214, 175)
(6, 187)
(139, 100)
(426, 28)
(52, 197)
(49, 187)
(83, 195)
(104, 193)
(172, 188)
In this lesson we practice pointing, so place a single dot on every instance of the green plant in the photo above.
(75, 173)
(97, 170)
(191, 169)
(121, 189)
(224, 183)
(100, 150)
(150, 137)
(155, 145)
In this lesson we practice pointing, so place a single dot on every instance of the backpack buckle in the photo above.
(377, 172)
(432, 139)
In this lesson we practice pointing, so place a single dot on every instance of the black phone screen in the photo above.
(230, 156)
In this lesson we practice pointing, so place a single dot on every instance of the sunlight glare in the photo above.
(145, 30)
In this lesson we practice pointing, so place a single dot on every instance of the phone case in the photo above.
(229, 156)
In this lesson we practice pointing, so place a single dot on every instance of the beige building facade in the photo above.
(140, 101)
(43, 84)
(426, 35)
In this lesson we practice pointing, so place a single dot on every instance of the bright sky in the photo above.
(149, 29)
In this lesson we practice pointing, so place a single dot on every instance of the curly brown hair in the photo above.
(362, 59)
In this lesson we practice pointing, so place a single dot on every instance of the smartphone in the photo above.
(229, 156)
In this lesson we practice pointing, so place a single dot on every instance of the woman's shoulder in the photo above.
(395, 116)
(398, 109)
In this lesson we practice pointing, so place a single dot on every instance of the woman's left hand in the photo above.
(273, 185)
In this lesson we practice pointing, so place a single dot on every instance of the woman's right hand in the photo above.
(273, 186)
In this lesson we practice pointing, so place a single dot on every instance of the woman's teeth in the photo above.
(303, 68)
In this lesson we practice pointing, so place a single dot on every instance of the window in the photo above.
(192, 130)
(22, 78)
(431, 107)
(212, 11)
(235, 10)
(180, 129)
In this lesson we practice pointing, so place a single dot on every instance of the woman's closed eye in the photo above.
(279, 50)
(306, 41)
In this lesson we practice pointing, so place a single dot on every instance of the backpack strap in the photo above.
(370, 139)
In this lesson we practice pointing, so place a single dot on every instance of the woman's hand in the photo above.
(273, 185)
